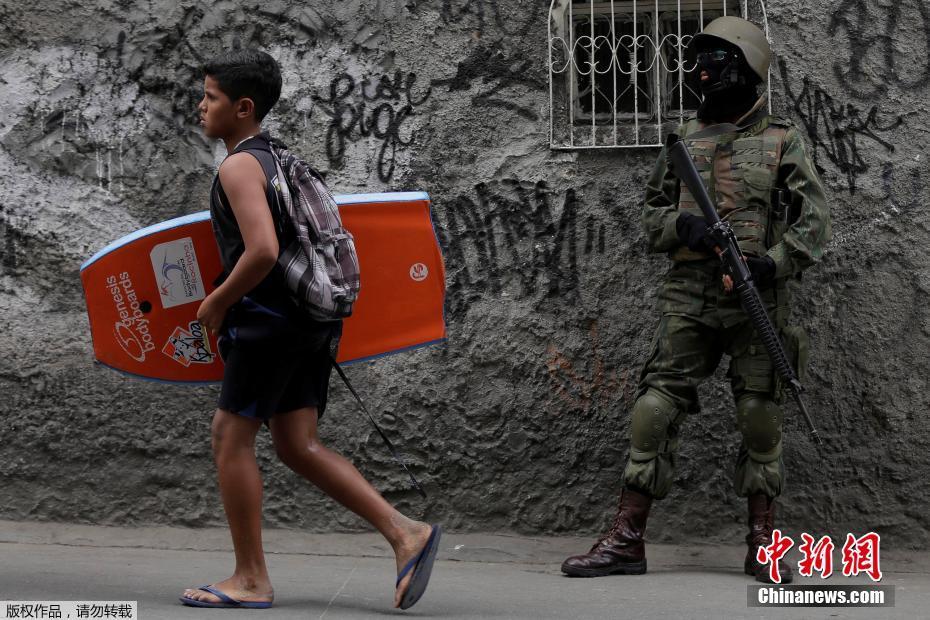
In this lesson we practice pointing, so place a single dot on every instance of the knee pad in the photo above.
(654, 421)
(760, 421)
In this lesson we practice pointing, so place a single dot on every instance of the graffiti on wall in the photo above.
(374, 106)
(875, 60)
(494, 71)
(483, 14)
(515, 238)
(837, 128)
(121, 113)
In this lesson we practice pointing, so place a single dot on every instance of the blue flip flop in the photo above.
(422, 566)
(226, 601)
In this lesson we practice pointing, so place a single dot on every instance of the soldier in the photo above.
(763, 182)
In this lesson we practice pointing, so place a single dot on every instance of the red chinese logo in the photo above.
(817, 556)
(860, 555)
(771, 554)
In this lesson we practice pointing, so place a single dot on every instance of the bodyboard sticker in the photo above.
(189, 346)
(177, 272)
(418, 272)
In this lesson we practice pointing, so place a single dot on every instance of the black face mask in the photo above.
(729, 89)
(724, 69)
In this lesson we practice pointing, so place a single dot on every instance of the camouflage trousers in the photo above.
(699, 324)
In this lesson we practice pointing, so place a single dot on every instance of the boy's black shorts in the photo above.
(275, 361)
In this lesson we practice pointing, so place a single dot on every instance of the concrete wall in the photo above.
(520, 421)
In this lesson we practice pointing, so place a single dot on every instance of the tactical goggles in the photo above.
(714, 57)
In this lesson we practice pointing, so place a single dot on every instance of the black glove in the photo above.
(762, 269)
(692, 232)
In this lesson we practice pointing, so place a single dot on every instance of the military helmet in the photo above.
(743, 34)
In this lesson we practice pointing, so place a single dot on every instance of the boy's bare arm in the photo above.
(244, 183)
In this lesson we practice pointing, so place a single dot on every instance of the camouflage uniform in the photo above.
(764, 185)
(700, 322)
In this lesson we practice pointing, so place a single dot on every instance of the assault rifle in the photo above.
(735, 266)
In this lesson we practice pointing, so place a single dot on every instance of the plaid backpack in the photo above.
(320, 264)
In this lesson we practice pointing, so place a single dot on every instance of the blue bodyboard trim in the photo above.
(351, 199)
(218, 381)
(200, 216)
(193, 218)
(155, 379)
(442, 259)
(412, 347)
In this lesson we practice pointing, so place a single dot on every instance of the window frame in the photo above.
(659, 83)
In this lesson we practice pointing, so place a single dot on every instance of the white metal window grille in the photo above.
(619, 75)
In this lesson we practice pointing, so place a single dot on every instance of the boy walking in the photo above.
(277, 359)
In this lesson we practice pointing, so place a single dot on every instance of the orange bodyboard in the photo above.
(143, 290)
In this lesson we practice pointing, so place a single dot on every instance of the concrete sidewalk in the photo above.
(352, 576)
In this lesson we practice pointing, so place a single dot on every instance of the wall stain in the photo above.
(580, 390)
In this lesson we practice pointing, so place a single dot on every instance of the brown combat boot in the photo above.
(621, 549)
(761, 524)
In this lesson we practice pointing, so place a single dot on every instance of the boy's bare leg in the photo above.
(240, 484)
(296, 442)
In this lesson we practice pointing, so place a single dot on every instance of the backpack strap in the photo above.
(261, 151)
(384, 437)
(260, 141)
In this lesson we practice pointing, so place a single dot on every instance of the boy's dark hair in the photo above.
(247, 73)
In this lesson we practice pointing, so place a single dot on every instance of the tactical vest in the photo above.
(740, 170)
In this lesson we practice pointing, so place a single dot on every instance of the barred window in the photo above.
(618, 70)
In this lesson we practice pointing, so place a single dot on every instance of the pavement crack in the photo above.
(338, 592)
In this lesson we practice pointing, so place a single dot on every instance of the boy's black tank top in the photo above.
(272, 291)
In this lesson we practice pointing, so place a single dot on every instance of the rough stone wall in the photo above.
(519, 422)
